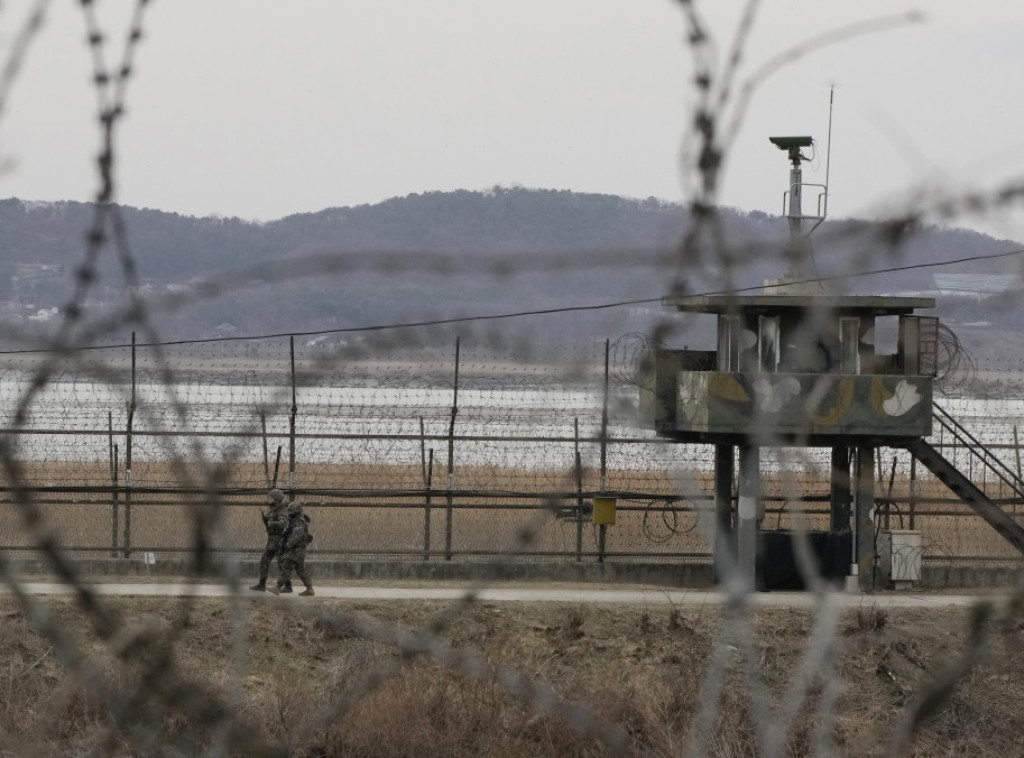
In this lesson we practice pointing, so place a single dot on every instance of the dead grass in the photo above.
(640, 671)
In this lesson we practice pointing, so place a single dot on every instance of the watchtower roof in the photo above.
(765, 304)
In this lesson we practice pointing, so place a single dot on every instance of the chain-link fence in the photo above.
(452, 455)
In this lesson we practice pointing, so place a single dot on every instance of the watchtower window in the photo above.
(768, 343)
(849, 345)
(919, 344)
(730, 330)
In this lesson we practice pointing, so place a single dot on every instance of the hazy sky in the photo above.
(261, 109)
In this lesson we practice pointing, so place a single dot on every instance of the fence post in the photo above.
(604, 422)
(579, 491)
(602, 529)
(913, 490)
(291, 425)
(1016, 452)
(451, 458)
(426, 476)
(423, 451)
(426, 508)
(1016, 449)
(115, 505)
(888, 501)
(128, 463)
(266, 456)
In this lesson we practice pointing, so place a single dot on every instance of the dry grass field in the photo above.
(343, 678)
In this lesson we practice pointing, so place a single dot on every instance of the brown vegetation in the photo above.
(336, 678)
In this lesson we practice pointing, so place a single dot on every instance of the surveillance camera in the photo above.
(790, 143)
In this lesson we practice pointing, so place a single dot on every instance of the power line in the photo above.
(522, 314)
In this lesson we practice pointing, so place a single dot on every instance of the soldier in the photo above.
(275, 522)
(293, 551)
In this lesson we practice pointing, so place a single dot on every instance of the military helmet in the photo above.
(276, 495)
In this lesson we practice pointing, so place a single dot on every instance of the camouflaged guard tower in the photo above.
(797, 367)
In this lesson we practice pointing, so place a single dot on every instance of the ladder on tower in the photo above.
(963, 487)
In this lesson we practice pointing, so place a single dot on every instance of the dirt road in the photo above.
(635, 596)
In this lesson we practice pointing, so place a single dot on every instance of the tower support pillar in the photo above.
(864, 518)
(748, 516)
(724, 544)
(840, 496)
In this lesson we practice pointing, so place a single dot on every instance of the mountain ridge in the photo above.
(448, 255)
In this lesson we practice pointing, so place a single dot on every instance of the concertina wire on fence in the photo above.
(448, 452)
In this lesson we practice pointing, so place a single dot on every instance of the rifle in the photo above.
(277, 465)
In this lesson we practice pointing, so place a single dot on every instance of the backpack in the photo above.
(298, 525)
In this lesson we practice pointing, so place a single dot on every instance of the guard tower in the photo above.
(798, 371)
(796, 367)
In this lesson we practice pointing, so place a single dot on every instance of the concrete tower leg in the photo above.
(725, 552)
(747, 526)
(864, 516)
(840, 500)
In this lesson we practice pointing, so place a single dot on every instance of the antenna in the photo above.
(828, 144)
(823, 198)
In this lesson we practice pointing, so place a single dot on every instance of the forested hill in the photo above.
(553, 249)
(174, 247)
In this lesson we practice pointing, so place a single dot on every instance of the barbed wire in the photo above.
(388, 433)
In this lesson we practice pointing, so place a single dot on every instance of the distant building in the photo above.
(33, 283)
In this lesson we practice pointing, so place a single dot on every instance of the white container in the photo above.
(899, 557)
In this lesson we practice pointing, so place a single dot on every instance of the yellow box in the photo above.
(604, 510)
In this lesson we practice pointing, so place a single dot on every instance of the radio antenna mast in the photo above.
(798, 249)
(828, 160)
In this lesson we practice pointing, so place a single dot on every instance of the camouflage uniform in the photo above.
(272, 520)
(293, 550)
